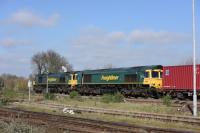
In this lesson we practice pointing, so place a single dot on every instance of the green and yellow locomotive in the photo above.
(132, 81)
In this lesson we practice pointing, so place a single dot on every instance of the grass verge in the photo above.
(96, 116)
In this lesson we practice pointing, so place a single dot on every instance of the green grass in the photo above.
(49, 96)
(167, 100)
(3, 101)
(112, 98)
(138, 121)
(97, 102)
(98, 116)
(75, 96)
(9, 93)
(136, 107)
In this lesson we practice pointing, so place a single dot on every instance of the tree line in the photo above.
(11, 81)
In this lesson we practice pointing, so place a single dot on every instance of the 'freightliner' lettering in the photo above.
(109, 77)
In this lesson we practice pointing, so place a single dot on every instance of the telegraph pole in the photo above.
(194, 61)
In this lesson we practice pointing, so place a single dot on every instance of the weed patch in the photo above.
(9, 93)
(75, 95)
(167, 100)
(3, 101)
(49, 96)
(110, 98)
(14, 127)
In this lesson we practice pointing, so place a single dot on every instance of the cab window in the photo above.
(155, 74)
(146, 74)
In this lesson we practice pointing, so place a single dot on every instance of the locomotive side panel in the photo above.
(115, 76)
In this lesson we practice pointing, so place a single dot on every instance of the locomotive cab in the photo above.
(153, 78)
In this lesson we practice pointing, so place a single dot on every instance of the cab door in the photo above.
(156, 80)
(148, 76)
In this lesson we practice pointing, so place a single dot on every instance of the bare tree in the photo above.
(108, 66)
(189, 61)
(38, 62)
(50, 61)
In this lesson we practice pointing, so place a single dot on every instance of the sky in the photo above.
(94, 33)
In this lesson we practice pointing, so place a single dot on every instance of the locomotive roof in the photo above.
(123, 69)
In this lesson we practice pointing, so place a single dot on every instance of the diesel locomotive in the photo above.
(132, 81)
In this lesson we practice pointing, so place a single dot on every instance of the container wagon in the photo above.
(178, 80)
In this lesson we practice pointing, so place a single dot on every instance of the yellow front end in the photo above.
(73, 81)
(153, 78)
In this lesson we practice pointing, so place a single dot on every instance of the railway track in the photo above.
(140, 115)
(175, 103)
(158, 101)
(74, 124)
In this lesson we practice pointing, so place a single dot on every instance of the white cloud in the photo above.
(115, 37)
(139, 47)
(29, 19)
(158, 37)
(96, 36)
(13, 42)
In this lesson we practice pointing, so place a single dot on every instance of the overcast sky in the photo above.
(93, 33)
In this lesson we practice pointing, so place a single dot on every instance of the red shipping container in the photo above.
(180, 78)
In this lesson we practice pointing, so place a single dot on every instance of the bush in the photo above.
(75, 95)
(9, 93)
(116, 98)
(4, 101)
(107, 98)
(167, 100)
(14, 127)
(49, 96)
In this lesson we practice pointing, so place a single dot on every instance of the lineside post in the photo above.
(29, 90)
(194, 61)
